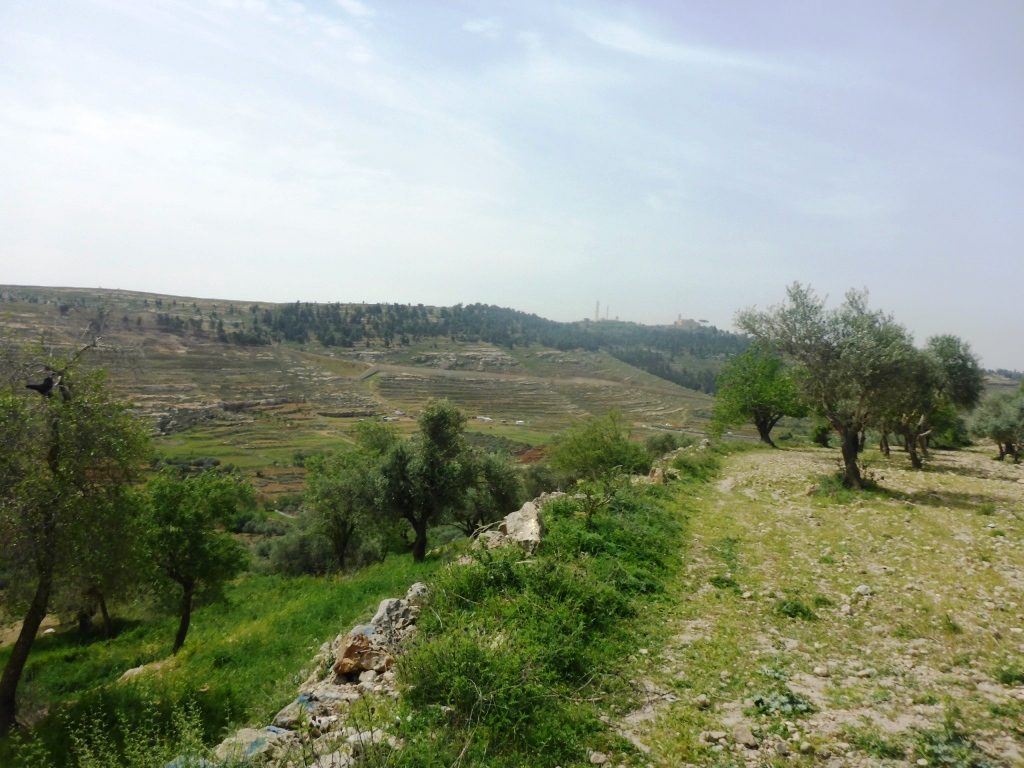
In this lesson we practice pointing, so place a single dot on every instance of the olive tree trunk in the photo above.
(850, 449)
(19, 654)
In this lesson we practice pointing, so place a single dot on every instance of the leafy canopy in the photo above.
(755, 386)
(599, 447)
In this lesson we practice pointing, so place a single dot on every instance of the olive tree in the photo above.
(186, 537)
(69, 456)
(341, 498)
(423, 480)
(496, 490)
(1000, 418)
(944, 375)
(847, 359)
(755, 386)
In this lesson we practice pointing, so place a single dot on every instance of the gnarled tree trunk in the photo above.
(764, 429)
(19, 654)
(419, 546)
(187, 592)
(850, 449)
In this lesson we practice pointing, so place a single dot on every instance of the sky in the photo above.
(664, 158)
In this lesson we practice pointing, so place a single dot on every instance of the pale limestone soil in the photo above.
(943, 557)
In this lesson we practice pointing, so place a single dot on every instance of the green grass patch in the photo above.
(876, 744)
(1010, 674)
(242, 661)
(514, 655)
(794, 609)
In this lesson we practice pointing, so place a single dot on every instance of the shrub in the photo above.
(697, 466)
(662, 443)
(598, 448)
(302, 552)
(542, 478)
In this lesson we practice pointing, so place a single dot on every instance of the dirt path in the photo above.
(881, 629)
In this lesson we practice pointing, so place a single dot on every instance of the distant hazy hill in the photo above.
(257, 383)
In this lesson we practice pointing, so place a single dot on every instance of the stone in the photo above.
(743, 735)
(416, 593)
(393, 616)
(134, 672)
(358, 654)
(712, 737)
(291, 715)
(337, 759)
(598, 758)
(524, 526)
(368, 676)
(363, 739)
(249, 743)
(863, 590)
(821, 671)
(702, 701)
(806, 748)
(332, 694)
(657, 476)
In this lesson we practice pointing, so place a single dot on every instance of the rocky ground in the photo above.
(837, 629)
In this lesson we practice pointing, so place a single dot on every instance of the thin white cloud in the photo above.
(628, 39)
(490, 28)
(355, 8)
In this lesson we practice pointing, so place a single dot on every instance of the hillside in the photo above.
(213, 387)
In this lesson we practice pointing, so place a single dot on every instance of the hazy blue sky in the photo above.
(666, 157)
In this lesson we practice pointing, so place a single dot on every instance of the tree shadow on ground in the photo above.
(953, 499)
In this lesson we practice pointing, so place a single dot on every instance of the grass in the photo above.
(242, 661)
(768, 598)
(517, 659)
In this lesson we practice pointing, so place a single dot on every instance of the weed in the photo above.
(507, 649)
(697, 466)
(1010, 674)
(782, 701)
(724, 582)
(986, 508)
(950, 745)
(877, 745)
(794, 609)
(950, 626)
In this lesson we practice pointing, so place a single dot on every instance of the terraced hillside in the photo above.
(259, 406)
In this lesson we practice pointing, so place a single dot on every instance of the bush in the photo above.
(664, 442)
(697, 466)
(598, 448)
(542, 478)
(302, 552)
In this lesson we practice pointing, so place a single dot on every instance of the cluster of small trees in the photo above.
(354, 498)
(78, 531)
(1000, 418)
(854, 367)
